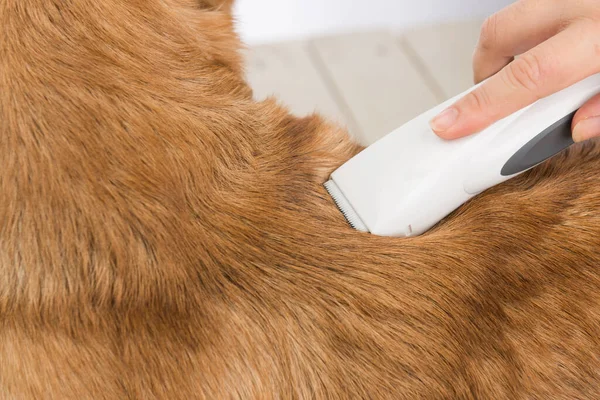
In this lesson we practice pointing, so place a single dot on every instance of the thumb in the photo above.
(586, 123)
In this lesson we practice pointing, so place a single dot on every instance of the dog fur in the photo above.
(164, 236)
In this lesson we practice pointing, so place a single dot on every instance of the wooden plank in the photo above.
(376, 79)
(286, 71)
(445, 53)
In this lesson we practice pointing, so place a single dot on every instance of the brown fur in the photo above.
(164, 236)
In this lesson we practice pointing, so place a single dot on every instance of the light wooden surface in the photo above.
(287, 72)
(370, 82)
(446, 53)
(377, 79)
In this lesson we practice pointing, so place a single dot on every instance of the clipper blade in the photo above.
(344, 205)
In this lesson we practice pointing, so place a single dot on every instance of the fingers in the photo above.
(586, 123)
(561, 61)
(515, 30)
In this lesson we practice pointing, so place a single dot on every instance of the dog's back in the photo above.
(164, 236)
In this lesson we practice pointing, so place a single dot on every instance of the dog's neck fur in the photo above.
(167, 236)
(126, 136)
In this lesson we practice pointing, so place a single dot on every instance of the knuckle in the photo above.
(488, 35)
(526, 72)
(478, 100)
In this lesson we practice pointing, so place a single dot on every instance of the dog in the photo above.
(165, 236)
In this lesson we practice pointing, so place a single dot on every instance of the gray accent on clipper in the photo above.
(550, 142)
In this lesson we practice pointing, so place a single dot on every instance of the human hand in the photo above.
(558, 43)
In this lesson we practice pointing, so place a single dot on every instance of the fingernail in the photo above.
(444, 120)
(586, 129)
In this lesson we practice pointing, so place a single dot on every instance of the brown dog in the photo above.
(163, 236)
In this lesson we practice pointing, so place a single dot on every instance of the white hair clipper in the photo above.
(406, 182)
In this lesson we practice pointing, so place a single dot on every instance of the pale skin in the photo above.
(557, 43)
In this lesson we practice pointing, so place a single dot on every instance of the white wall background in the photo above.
(264, 21)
